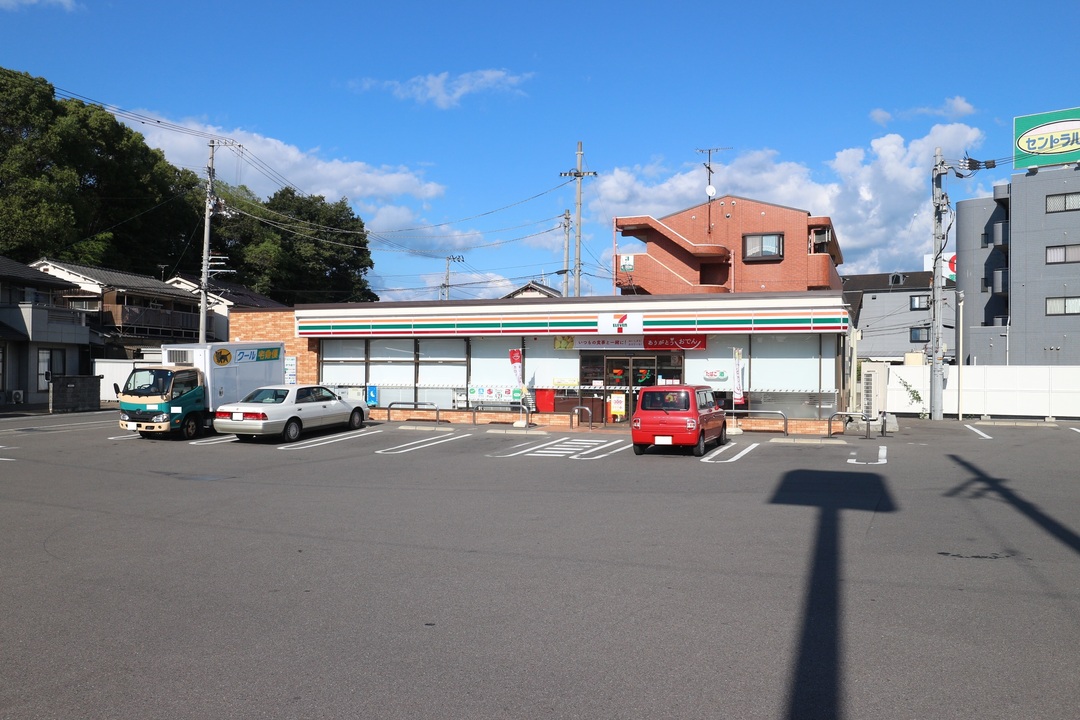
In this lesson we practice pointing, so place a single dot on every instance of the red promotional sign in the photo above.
(674, 342)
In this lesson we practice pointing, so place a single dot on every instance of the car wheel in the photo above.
(189, 427)
(723, 435)
(699, 447)
(245, 438)
(356, 420)
(291, 433)
(639, 449)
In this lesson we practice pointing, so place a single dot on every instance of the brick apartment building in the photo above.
(729, 245)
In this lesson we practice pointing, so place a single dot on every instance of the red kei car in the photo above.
(677, 415)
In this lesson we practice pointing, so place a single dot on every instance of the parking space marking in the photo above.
(5, 447)
(529, 448)
(126, 436)
(619, 446)
(318, 442)
(60, 427)
(710, 458)
(979, 432)
(215, 440)
(419, 445)
(882, 450)
(1076, 430)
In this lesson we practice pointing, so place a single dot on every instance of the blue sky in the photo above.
(447, 125)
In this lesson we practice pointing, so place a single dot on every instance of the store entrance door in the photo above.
(622, 376)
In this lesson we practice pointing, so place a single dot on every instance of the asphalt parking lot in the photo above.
(401, 571)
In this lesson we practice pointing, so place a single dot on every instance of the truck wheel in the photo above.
(699, 448)
(639, 449)
(291, 433)
(356, 420)
(190, 426)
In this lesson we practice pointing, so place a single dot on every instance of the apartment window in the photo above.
(1063, 203)
(920, 334)
(920, 302)
(1056, 254)
(1063, 306)
(763, 247)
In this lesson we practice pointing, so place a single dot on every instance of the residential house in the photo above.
(40, 335)
(729, 245)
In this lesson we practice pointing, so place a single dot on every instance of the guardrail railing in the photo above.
(574, 412)
(415, 406)
(762, 412)
(862, 416)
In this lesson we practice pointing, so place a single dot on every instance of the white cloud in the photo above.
(878, 197)
(16, 4)
(444, 90)
(312, 174)
(881, 117)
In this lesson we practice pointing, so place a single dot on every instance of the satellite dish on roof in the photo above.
(710, 191)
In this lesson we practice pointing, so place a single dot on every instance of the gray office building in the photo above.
(1018, 267)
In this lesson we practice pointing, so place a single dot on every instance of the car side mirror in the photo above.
(116, 389)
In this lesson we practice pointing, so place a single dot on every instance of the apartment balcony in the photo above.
(46, 323)
(821, 273)
(648, 276)
(153, 322)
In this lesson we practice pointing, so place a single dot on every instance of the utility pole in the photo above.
(941, 205)
(446, 283)
(577, 225)
(566, 255)
(213, 205)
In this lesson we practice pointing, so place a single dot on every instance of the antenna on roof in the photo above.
(710, 191)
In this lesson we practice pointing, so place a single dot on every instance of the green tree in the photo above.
(298, 248)
(77, 185)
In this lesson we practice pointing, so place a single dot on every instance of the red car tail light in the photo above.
(691, 424)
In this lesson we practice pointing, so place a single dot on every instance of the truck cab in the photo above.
(162, 399)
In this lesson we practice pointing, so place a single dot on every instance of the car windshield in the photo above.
(267, 395)
(148, 382)
(671, 400)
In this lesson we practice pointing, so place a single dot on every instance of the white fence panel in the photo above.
(1036, 391)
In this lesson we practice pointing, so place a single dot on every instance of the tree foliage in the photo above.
(77, 185)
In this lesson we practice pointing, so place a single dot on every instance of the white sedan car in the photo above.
(286, 410)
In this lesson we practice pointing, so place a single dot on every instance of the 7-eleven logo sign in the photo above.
(621, 324)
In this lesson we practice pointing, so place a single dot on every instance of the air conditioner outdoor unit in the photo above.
(16, 396)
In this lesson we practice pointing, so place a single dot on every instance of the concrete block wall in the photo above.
(74, 393)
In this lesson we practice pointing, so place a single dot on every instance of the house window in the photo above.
(1063, 203)
(763, 247)
(1056, 254)
(1063, 306)
(920, 334)
(49, 361)
(920, 302)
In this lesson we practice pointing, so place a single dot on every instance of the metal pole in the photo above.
(566, 255)
(940, 205)
(960, 356)
(204, 281)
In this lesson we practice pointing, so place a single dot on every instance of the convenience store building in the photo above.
(778, 352)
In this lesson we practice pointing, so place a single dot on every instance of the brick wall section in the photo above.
(249, 324)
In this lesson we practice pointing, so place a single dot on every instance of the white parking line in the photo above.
(1076, 430)
(622, 445)
(128, 436)
(418, 445)
(880, 458)
(529, 448)
(723, 448)
(216, 440)
(308, 444)
(978, 432)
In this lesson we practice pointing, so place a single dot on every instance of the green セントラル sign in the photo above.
(1050, 138)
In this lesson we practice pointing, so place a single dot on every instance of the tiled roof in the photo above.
(236, 293)
(123, 280)
(17, 272)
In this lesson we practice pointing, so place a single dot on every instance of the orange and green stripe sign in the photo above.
(796, 321)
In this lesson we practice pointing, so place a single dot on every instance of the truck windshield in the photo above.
(148, 382)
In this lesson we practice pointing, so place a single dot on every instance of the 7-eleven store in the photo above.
(779, 352)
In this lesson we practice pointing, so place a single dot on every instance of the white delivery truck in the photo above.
(180, 395)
